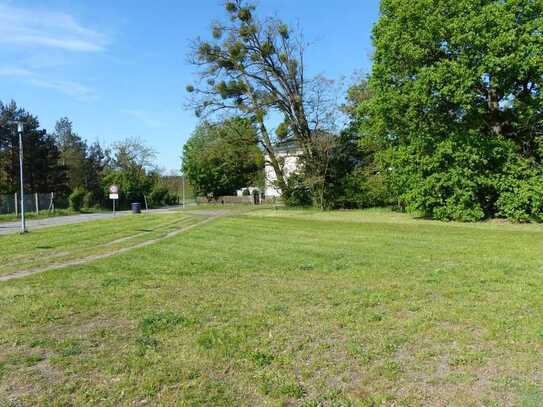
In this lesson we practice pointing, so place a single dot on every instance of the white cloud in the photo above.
(69, 88)
(143, 117)
(39, 28)
(77, 90)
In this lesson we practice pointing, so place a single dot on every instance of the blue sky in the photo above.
(118, 68)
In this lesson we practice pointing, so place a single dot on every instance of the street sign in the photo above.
(113, 195)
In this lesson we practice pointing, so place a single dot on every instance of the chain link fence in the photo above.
(33, 202)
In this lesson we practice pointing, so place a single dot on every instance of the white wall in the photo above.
(291, 165)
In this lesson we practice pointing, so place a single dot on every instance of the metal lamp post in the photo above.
(20, 129)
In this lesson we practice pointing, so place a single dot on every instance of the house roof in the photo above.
(288, 147)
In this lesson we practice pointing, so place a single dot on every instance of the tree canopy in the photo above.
(132, 169)
(42, 168)
(62, 162)
(255, 67)
(73, 152)
(456, 111)
(221, 158)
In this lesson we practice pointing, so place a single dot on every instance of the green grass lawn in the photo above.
(281, 307)
(47, 247)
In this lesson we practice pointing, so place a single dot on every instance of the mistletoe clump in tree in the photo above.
(254, 67)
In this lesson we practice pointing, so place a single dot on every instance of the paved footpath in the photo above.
(33, 224)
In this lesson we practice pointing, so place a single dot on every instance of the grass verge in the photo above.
(11, 217)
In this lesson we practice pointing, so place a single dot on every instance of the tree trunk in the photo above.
(493, 100)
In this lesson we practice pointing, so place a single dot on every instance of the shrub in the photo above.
(466, 178)
(160, 196)
(297, 193)
(76, 198)
(88, 200)
(172, 199)
(521, 194)
(360, 189)
(455, 179)
(524, 204)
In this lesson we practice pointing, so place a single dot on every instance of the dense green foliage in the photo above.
(73, 153)
(221, 158)
(134, 186)
(85, 165)
(162, 196)
(63, 163)
(42, 167)
(298, 193)
(77, 198)
(450, 122)
(455, 113)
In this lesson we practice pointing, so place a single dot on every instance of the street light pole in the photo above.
(20, 129)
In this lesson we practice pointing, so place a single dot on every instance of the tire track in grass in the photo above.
(83, 260)
(146, 232)
(26, 259)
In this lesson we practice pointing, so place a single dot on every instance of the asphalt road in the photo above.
(33, 224)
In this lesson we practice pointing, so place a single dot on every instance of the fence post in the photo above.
(52, 203)
(16, 205)
(37, 203)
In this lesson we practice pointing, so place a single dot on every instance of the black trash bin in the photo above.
(136, 207)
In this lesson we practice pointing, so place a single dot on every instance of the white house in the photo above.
(290, 155)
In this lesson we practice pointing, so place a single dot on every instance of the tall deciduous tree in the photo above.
(221, 158)
(132, 169)
(254, 67)
(456, 107)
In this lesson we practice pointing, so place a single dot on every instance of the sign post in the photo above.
(113, 195)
